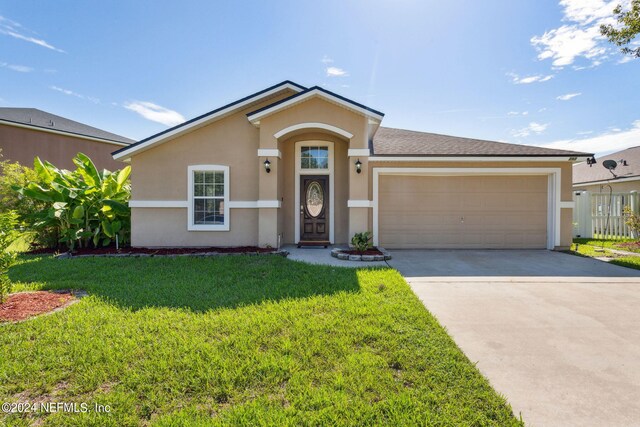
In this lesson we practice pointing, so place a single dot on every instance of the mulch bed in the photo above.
(629, 245)
(372, 251)
(23, 305)
(109, 250)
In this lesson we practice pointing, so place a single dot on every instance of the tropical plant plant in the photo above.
(361, 241)
(84, 206)
(8, 233)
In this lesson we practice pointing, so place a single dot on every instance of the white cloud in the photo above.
(15, 30)
(516, 79)
(336, 72)
(326, 60)
(625, 59)
(580, 37)
(533, 127)
(77, 95)
(517, 113)
(155, 113)
(18, 68)
(568, 96)
(606, 142)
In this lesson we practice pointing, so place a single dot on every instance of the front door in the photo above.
(314, 208)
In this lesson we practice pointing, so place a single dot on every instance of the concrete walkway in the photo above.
(321, 255)
(557, 334)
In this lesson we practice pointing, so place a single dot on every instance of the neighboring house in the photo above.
(601, 195)
(625, 177)
(28, 132)
(297, 165)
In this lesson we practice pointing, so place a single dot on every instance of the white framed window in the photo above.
(314, 157)
(208, 192)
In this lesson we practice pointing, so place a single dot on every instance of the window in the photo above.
(208, 198)
(314, 157)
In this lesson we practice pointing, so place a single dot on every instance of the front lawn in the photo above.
(601, 249)
(620, 244)
(244, 340)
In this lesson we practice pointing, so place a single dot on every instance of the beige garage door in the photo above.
(462, 211)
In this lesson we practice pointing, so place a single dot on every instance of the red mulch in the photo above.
(23, 305)
(372, 251)
(156, 251)
(629, 245)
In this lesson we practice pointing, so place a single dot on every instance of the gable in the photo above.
(268, 95)
(315, 93)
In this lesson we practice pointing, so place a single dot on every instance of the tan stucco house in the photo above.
(298, 165)
(28, 132)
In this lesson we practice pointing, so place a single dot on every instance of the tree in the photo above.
(629, 27)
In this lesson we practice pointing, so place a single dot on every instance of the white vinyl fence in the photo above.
(600, 215)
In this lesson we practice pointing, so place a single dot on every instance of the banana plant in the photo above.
(84, 206)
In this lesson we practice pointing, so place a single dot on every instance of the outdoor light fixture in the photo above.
(358, 166)
(267, 165)
(591, 161)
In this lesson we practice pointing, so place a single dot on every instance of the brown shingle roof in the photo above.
(582, 173)
(401, 142)
(42, 119)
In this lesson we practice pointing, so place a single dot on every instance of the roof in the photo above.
(206, 118)
(42, 120)
(582, 173)
(314, 91)
(401, 142)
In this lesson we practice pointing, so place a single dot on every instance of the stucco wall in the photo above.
(347, 187)
(160, 174)
(22, 145)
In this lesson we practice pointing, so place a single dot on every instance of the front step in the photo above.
(324, 243)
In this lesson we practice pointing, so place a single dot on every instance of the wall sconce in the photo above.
(358, 166)
(267, 165)
(591, 161)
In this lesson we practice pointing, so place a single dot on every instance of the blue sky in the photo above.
(530, 72)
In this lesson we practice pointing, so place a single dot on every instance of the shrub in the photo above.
(8, 233)
(361, 241)
(14, 175)
(84, 206)
(632, 219)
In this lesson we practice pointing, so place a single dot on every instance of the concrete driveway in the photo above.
(557, 334)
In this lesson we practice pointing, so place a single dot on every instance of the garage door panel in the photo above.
(462, 211)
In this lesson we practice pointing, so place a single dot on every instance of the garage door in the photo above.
(462, 211)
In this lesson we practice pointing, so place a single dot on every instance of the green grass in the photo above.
(594, 248)
(242, 340)
(592, 251)
(629, 261)
(611, 244)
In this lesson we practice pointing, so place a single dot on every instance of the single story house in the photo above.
(625, 177)
(303, 165)
(28, 132)
(601, 194)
